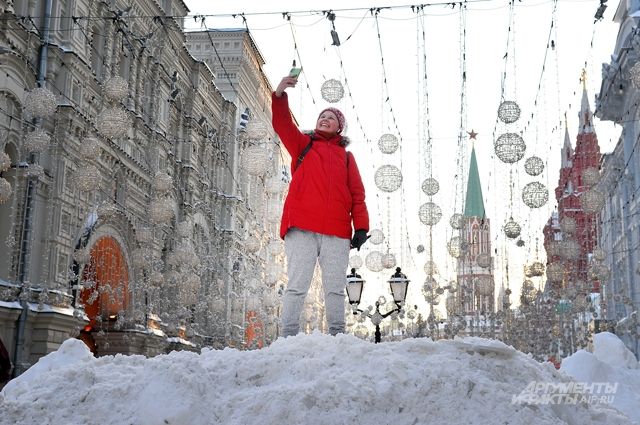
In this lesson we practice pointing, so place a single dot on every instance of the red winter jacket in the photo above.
(324, 195)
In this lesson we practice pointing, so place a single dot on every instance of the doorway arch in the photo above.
(105, 281)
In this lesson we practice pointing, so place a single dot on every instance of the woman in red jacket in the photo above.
(325, 202)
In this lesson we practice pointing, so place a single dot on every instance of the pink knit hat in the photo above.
(342, 122)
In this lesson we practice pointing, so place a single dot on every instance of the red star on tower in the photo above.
(472, 134)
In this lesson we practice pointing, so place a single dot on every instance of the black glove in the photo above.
(359, 237)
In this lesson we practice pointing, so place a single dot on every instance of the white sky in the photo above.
(486, 44)
(318, 379)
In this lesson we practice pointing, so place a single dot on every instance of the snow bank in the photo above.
(310, 379)
(611, 362)
(608, 348)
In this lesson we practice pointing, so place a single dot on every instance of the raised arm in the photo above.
(292, 138)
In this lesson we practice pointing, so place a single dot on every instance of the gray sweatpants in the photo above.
(304, 249)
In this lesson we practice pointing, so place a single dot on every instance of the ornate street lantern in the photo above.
(355, 284)
(398, 284)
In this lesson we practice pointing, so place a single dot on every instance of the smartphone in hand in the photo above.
(295, 72)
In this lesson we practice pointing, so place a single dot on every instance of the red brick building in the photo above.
(570, 235)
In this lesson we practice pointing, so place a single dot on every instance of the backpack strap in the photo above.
(308, 148)
(304, 151)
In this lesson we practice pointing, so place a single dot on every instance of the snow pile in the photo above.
(611, 362)
(310, 379)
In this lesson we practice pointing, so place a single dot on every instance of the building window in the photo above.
(65, 223)
(76, 92)
(61, 267)
(68, 177)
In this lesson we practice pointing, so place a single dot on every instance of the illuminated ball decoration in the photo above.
(275, 247)
(388, 143)
(534, 166)
(116, 89)
(429, 213)
(373, 261)
(272, 274)
(274, 208)
(510, 148)
(256, 130)
(571, 249)
(388, 260)
(508, 112)
(161, 211)
(37, 141)
(590, 176)
(40, 102)
(376, 236)
(5, 161)
(35, 170)
(536, 269)
(598, 254)
(450, 305)
(107, 211)
(5, 190)
(457, 247)
(156, 279)
(139, 258)
(87, 177)
(484, 285)
(483, 260)
(535, 195)
(275, 185)
(430, 268)
(332, 91)
(388, 178)
(90, 148)
(456, 221)
(420, 249)
(162, 182)
(144, 235)
(511, 229)
(255, 160)
(430, 186)
(568, 225)
(113, 122)
(252, 244)
(355, 262)
(555, 272)
(592, 201)
(82, 256)
(453, 286)
(634, 75)
(430, 284)
(599, 271)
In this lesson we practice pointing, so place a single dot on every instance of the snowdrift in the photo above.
(310, 379)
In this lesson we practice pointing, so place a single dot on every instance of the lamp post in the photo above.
(398, 284)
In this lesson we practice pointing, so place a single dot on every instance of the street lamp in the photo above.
(398, 284)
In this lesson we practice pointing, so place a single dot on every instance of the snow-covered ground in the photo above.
(307, 379)
(610, 362)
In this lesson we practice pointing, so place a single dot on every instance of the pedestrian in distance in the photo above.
(325, 203)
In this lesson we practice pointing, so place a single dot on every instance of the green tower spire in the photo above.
(474, 205)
